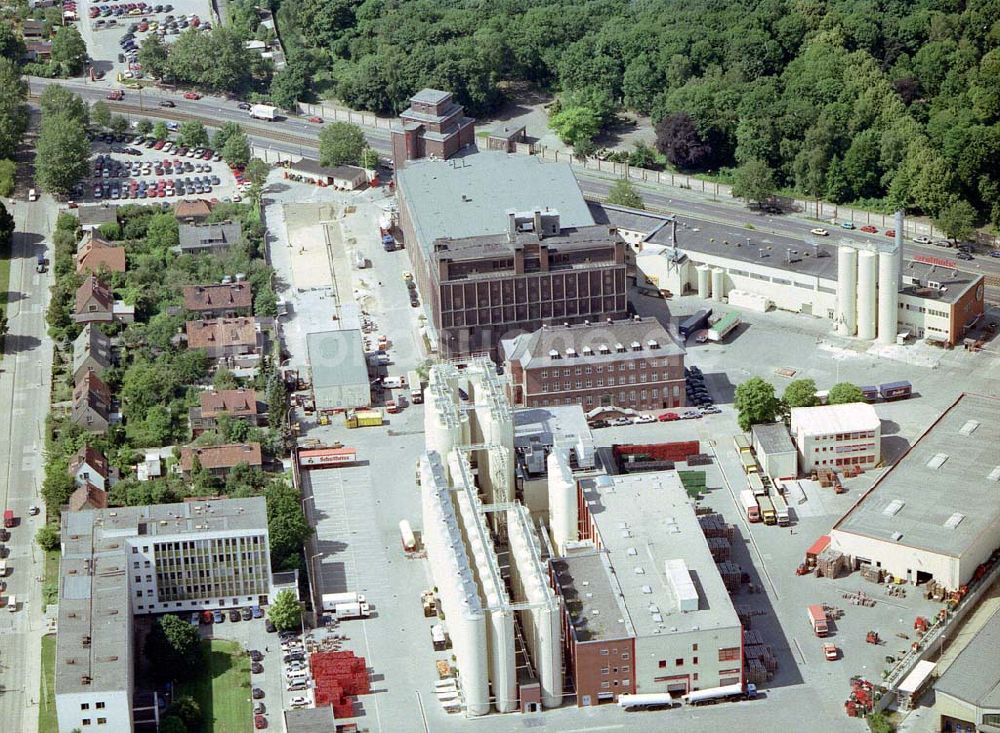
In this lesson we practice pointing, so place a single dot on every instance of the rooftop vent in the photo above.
(653, 344)
(954, 520)
(553, 354)
(646, 589)
(893, 507)
(897, 536)
(638, 571)
(570, 352)
(994, 475)
(636, 346)
(620, 348)
(587, 351)
(969, 428)
(937, 461)
(631, 552)
(603, 348)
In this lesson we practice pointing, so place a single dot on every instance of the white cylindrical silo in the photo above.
(888, 296)
(503, 662)
(847, 290)
(472, 659)
(704, 285)
(549, 655)
(867, 285)
(563, 511)
(718, 283)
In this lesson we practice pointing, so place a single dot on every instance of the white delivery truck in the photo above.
(352, 610)
(416, 389)
(331, 600)
(264, 112)
(11, 603)
(407, 536)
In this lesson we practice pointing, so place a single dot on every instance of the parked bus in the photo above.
(767, 512)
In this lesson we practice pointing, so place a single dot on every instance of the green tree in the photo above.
(69, 49)
(800, 393)
(11, 45)
(63, 153)
(755, 402)
(286, 522)
(60, 100)
(192, 134)
(173, 648)
(173, 724)
(160, 131)
(576, 126)
(623, 193)
(236, 150)
(8, 176)
(144, 126)
(154, 56)
(100, 114)
(754, 182)
(369, 159)
(224, 379)
(256, 171)
(13, 111)
(265, 302)
(290, 84)
(285, 612)
(188, 710)
(957, 220)
(118, 124)
(843, 393)
(341, 143)
(47, 538)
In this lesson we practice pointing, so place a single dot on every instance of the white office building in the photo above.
(192, 556)
(837, 436)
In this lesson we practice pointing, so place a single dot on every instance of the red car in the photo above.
(259, 722)
(669, 417)
(159, 144)
(869, 228)
(890, 232)
(192, 95)
(318, 120)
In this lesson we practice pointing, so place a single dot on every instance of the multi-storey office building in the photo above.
(837, 436)
(117, 562)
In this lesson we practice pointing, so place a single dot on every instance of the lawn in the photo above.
(47, 722)
(223, 688)
(51, 587)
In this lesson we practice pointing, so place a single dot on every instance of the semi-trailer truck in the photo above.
(416, 389)
(817, 619)
(647, 701)
(330, 600)
(726, 693)
(352, 610)
(695, 322)
(406, 533)
(750, 507)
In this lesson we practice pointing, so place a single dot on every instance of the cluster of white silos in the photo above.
(710, 282)
(541, 623)
(456, 583)
(563, 512)
(500, 636)
(868, 282)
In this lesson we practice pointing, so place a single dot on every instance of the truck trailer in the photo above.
(750, 507)
(694, 322)
(352, 610)
(724, 326)
(721, 694)
(406, 533)
(362, 418)
(817, 619)
(416, 389)
(647, 701)
(767, 512)
(780, 509)
(895, 390)
(330, 600)
(264, 112)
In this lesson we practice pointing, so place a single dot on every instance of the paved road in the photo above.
(24, 389)
(295, 136)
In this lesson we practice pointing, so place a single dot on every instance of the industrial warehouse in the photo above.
(870, 291)
(929, 517)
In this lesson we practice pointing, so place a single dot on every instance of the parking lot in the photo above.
(132, 168)
(103, 24)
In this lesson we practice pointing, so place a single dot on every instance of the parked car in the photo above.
(921, 240)
(192, 95)
(234, 615)
(690, 415)
(709, 410)
(257, 668)
(964, 256)
(296, 686)
(819, 232)
(257, 694)
(644, 419)
(255, 610)
(259, 708)
(890, 232)
(619, 421)
(206, 617)
(243, 106)
(217, 616)
(245, 614)
(298, 701)
(995, 253)
(669, 417)
(256, 656)
(847, 225)
(259, 722)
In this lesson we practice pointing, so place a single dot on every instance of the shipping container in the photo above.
(750, 507)
(895, 390)
(362, 418)
(767, 513)
(694, 322)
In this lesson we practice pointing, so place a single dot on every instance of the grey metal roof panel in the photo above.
(930, 496)
(337, 358)
(773, 438)
(974, 676)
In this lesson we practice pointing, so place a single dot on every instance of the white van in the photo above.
(32, 194)
(393, 382)
(11, 603)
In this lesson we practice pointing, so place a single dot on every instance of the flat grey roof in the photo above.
(430, 96)
(974, 676)
(773, 438)
(644, 520)
(337, 358)
(103, 528)
(816, 256)
(594, 606)
(94, 624)
(957, 489)
(469, 195)
(310, 720)
(550, 425)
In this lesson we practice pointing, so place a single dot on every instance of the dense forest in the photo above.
(886, 102)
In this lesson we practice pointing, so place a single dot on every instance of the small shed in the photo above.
(775, 450)
(345, 177)
(506, 138)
